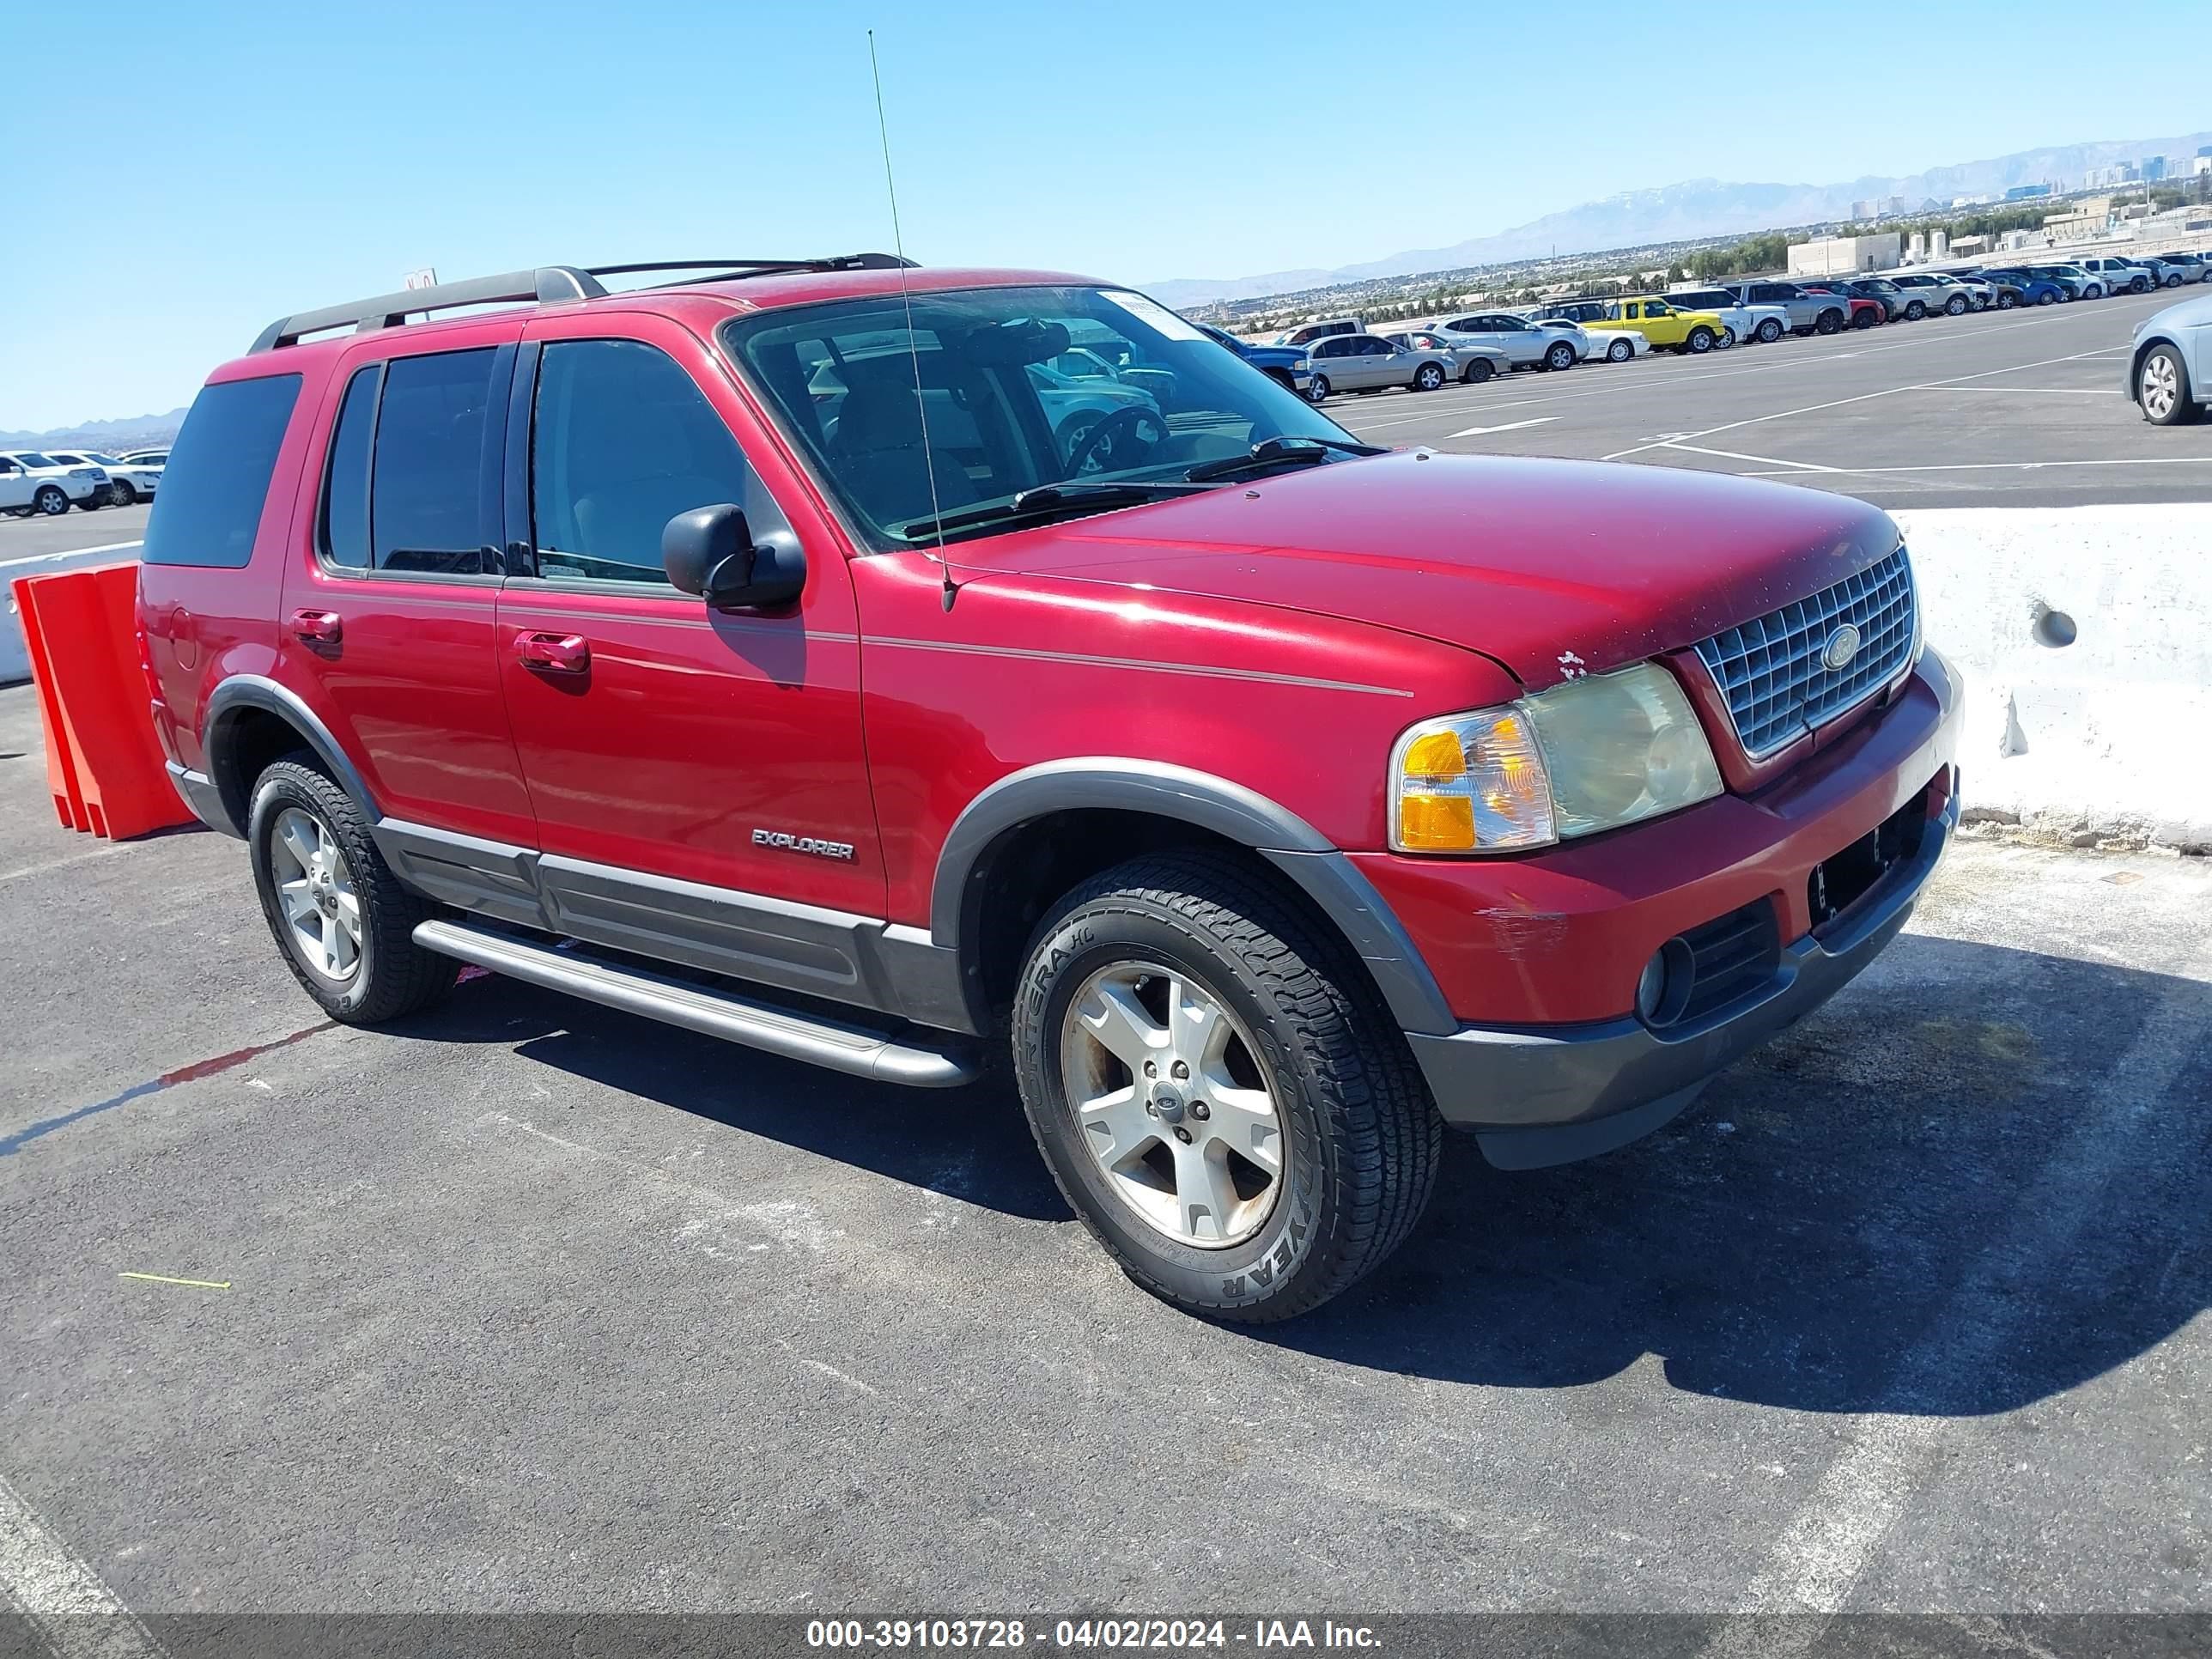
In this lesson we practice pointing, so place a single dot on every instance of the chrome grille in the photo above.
(1770, 670)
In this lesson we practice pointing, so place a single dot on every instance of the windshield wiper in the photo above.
(1042, 502)
(1279, 451)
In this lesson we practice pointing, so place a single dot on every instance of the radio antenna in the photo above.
(913, 346)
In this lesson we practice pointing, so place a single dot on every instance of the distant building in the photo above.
(2026, 192)
(1966, 246)
(1863, 211)
(1835, 256)
(2154, 169)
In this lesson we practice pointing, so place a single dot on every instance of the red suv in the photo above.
(879, 666)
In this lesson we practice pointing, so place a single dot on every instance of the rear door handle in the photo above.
(321, 627)
(554, 654)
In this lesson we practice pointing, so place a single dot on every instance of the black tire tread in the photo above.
(1373, 1097)
(407, 977)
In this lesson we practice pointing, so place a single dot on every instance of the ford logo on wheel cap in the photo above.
(1843, 645)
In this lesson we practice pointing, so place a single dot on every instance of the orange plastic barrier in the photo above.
(104, 765)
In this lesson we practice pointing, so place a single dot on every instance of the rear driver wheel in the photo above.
(1218, 1091)
(345, 924)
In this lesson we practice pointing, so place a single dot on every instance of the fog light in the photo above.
(1662, 990)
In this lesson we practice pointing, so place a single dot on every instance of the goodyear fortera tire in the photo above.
(1200, 951)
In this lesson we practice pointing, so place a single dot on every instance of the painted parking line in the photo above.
(1992, 466)
(69, 553)
(1760, 460)
(1863, 398)
(1510, 426)
(57, 1592)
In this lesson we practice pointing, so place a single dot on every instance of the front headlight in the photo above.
(1596, 753)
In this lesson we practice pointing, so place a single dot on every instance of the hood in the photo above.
(1549, 567)
(2190, 313)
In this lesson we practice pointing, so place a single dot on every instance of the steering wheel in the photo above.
(1101, 439)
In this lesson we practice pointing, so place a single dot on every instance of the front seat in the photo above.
(877, 453)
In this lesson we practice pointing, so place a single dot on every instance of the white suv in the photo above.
(55, 485)
(127, 480)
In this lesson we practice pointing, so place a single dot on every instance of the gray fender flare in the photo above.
(251, 691)
(1322, 872)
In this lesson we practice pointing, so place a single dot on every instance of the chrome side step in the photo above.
(850, 1048)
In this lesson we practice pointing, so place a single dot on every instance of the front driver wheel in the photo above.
(1317, 388)
(1218, 1091)
(2162, 388)
(345, 924)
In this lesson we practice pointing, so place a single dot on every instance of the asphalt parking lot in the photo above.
(1999, 409)
(533, 1307)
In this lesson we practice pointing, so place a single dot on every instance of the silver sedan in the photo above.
(1367, 362)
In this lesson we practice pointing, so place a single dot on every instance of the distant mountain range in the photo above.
(100, 435)
(1701, 207)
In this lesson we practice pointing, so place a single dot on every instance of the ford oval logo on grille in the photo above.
(1843, 645)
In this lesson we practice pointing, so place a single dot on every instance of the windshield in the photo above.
(1021, 388)
(31, 457)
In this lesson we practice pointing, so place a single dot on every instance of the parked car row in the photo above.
(53, 481)
(1341, 354)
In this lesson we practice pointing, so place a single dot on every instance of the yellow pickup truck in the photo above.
(1668, 329)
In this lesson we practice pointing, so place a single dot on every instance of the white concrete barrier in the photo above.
(2108, 737)
(15, 657)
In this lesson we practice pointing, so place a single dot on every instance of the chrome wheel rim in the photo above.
(2160, 386)
(1171, 1104)
(315, 890)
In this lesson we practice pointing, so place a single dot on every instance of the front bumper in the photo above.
(1539, 1097)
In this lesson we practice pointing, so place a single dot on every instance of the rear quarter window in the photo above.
(217, 479)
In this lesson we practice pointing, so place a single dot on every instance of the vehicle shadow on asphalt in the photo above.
(1982, 1177)
(972, 1144)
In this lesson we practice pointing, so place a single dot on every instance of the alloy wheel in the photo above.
(2160, 386)
(316, 890)
(1167, 1091)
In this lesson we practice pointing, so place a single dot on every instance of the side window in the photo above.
(226, 452)
(346, 475)
(427, 486)
(623, 442)
(1658, 309)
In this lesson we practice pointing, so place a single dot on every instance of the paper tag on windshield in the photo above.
(1152, 311)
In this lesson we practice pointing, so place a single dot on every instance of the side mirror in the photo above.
(710, 551)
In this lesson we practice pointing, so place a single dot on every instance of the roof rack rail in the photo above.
(546, 285)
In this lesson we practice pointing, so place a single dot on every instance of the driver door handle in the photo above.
(554, 654)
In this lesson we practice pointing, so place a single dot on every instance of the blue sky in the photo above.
(225, 162)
